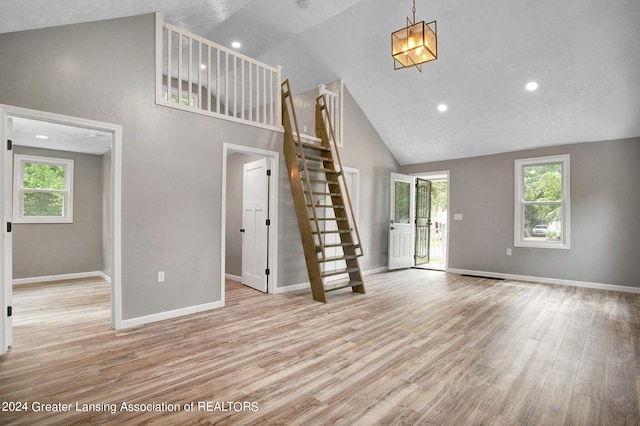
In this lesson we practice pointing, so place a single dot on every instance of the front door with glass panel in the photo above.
(401, 243)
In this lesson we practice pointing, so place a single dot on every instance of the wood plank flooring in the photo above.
(421, 347)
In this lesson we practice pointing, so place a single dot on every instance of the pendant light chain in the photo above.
(414, 11)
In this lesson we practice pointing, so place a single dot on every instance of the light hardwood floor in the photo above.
(421, 347)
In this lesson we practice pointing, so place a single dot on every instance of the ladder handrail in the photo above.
(287, 94)
(323, 107)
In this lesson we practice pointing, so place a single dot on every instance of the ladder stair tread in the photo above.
(339, 271)
(336, 231)
(340, 287)
(341, 245)
(337, 258)
(320, 169)
(328, 194)
(324, 181)
(311, 145)
(310, 157)
(326, 206)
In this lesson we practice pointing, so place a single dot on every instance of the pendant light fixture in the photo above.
(415, 44)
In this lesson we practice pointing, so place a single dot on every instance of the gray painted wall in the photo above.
(233, 247)
(171, 160)
(43, 249)
(605, 200)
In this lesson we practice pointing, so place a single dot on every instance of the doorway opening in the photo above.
(431, 220)
(33, 250)
(249, 218)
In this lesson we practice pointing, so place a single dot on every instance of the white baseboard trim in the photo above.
(61, 277)
(294, 287)
(570, 283)
(233, 277)
(306, 285)
(105, 277)
(133, 322)
(375, 271)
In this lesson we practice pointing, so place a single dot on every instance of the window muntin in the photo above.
(43, 189)
(542, 202)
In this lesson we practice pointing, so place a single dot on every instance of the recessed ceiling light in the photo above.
(236, 44)
(442, 107)
(203, 67)
(531, 86)
(42, 137)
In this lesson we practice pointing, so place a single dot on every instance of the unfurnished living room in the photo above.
(320, 212)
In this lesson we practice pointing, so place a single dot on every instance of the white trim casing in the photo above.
(565, 202)
(5, 238)
(19, 161)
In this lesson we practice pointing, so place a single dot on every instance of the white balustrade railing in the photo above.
(198, 75)
(334, 106)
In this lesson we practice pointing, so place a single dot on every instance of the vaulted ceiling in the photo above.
(584, 55)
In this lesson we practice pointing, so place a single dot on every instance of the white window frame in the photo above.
(18, 189)
(520, 203)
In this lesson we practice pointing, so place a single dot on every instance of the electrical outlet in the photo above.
(457, 216)
(161, 276)
(508, 252)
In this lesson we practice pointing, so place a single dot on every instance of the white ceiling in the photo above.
(585, 55)
(59, 137)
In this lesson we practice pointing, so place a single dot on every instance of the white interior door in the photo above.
(402, 201)
(6, 201)
(254, 217)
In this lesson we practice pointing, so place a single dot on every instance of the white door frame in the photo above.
(228, 149)
(440, 175)
(6, 212)
(116, 185)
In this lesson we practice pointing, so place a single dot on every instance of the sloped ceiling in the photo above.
(584, 54)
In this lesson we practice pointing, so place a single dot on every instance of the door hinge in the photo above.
(9, 144)
(268, 222)
(267, 271)
(268, 172)
(9, 226)
(9, 311)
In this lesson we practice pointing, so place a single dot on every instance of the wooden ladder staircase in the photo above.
(314, 178)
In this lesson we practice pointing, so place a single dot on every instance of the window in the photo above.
(542, 202)
(43, 190)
